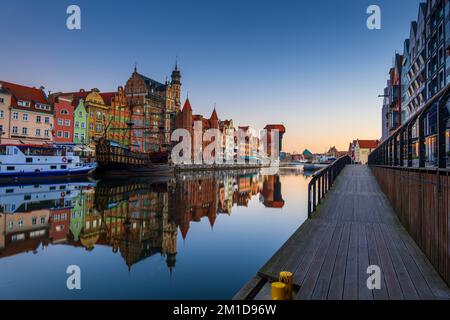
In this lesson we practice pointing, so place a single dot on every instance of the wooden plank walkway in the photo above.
(355, 227)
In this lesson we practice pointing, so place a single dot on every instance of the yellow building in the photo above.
(97, 110)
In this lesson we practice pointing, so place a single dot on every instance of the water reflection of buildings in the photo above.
(137, 219)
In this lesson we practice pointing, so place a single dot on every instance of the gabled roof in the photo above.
(152, 84)
(24, 93)
(107, 97)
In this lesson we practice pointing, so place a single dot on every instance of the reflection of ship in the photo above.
(29, 197)
(136, 217)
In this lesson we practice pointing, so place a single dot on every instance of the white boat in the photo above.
(33, 161)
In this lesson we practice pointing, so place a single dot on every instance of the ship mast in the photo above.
(130, 120)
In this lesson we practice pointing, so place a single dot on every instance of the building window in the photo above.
(2, 114)
(59, 134)
(82, 137)
(23, 103)
(64, 111)
(38, 132)
(66, 134)
(91, 127)
(80, 114)
(1, 129)
(67, 123)
(60, 122)
(25, 117)
(76, 136)
(20, 223)
(47, 120)
(34, 221)
(38, 119)
(10, 225)
(99, 128)
(2, 100)
(77, 124)
(24, 131)
(47, 133)
(99, 116)
(15, 116)
(42, 220)
(15, 130)
(83, 125)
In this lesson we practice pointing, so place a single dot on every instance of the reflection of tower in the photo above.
(272, 192)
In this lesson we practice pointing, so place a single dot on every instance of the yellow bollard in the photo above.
(286, 278)
(278, 291)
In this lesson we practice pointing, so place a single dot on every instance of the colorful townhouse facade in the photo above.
(64, 121)
(5, 103)
(80, 120)
(29, 115)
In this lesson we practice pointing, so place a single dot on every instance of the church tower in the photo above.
(176, 85)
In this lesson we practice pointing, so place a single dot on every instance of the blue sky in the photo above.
(312, 65)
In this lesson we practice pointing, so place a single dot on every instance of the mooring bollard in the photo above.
(286, 278)
(278, 291)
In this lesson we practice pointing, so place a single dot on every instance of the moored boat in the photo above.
(40, 161)
(121, 161)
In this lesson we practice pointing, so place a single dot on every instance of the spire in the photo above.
(135, 67)
(187, 105)
(176, 74)
(214, 114)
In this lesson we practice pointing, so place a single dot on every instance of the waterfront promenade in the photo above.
(354, 228)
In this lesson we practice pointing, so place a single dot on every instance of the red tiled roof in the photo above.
(75, 96)
(368, 144)
(107, 97)
(278, 127)
(24, 93)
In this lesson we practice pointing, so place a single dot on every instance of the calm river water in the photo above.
(199, 236)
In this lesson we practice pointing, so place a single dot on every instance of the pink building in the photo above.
(30, 116)
(64, 120)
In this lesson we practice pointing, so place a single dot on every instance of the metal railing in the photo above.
(412, 167)
(322, 182)
(421, 141)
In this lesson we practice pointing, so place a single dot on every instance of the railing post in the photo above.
(409, 134)
(314, 196)
(323, 185)
(319, 190)
(394, 140)
(402, 148)
(309, 201)
(441, 128)
(421, 141)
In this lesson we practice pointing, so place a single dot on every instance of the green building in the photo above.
(80, 133)
(77, 216)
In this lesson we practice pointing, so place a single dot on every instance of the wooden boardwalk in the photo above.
(354, 228)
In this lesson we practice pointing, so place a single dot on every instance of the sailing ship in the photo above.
(118, 160)
(19, 162)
